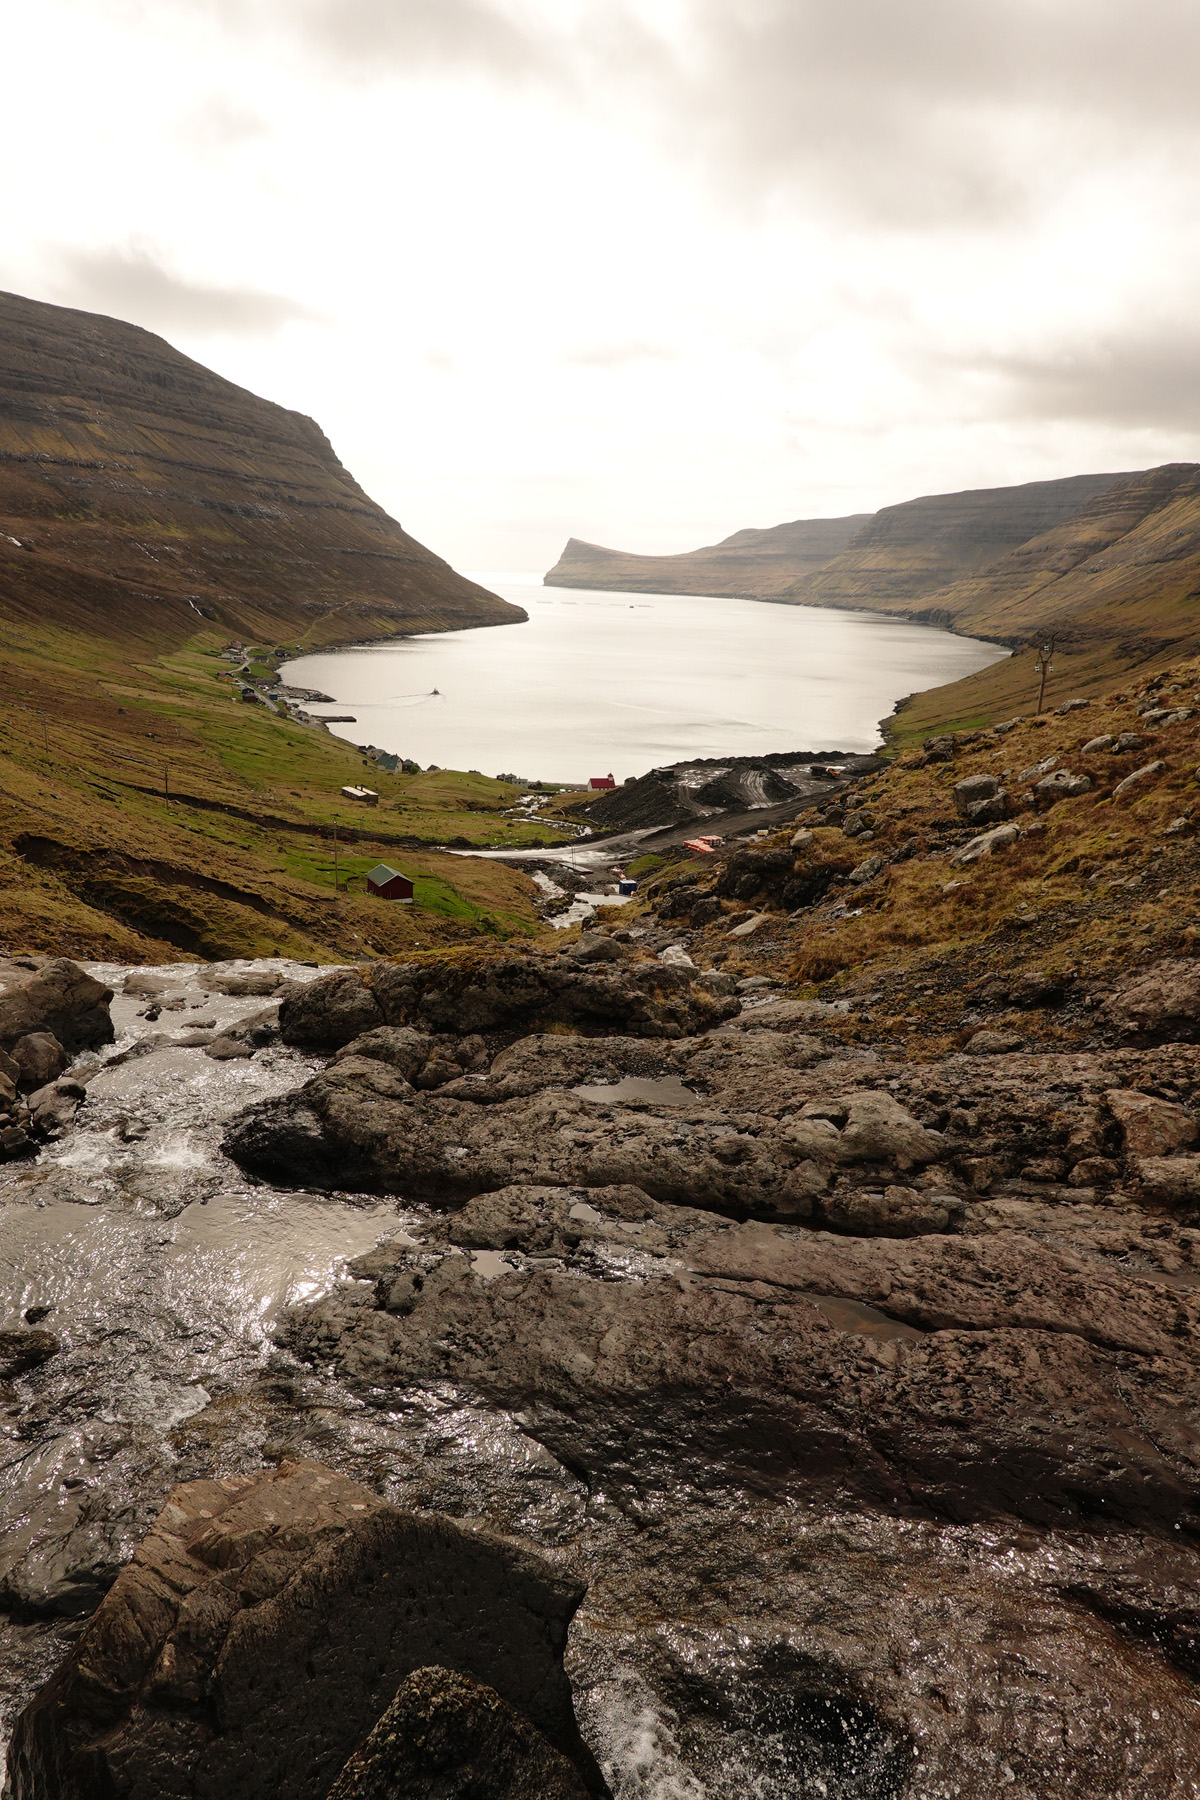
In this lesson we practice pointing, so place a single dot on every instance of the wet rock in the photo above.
(148, 984)
(240, 982)
(39, 1058)
(445, 1735)
(21, 1351)
(1150, 1126)
(263, 1628)
(556, 1221)
(403, 1049)
(1004, 1395)
(54, 1106)
(504, 994)
(58, 998)
(330, 1012)
(1160, 1006)
(245, 1036)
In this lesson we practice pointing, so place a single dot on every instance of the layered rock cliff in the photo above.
(759, 564)
(906, 553)
(141, 494)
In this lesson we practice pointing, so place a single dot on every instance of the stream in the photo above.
(163, 1271)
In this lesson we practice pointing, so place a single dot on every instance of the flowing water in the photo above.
(719, 1650)
(599, 683)
(164, 1272)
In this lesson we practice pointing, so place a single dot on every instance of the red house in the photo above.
(389, 884)
(602, 781)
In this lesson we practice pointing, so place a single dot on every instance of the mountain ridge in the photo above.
(141, 493)
(760, 561)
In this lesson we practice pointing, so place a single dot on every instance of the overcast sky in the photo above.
(638, 271)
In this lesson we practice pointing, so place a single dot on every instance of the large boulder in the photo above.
(54, 996)
(1161, 1006)
(508, 995)
(39, 1058)
(263, 1628)
(446, 1737)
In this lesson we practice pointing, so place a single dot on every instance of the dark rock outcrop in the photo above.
(53, 995)
(508, 995)
(261, 1631)
(446, 1737)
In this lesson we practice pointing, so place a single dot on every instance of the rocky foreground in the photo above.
(755, 1398)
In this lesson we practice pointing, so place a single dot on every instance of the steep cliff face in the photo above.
(141, 494)
(756, 563)
(1129, 559)
(907, 553)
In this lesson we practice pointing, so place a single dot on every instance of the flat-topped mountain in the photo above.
(141, 493)
(759, 563)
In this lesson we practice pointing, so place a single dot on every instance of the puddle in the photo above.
(657, 1090)
(866, 1321)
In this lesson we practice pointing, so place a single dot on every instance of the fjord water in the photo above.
(597, 682)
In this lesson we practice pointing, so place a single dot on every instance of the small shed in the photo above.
(602, 781)
(389, 884)
(367, 796)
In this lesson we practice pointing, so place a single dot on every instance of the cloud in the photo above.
(1146, 379)
(915, 113)
(133, 284)
(620, 356)
(384, 35)
(938, 112)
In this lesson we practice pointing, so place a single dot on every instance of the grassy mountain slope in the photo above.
(757, 563)
(142, 494)
(149, 511)
(906, 554)
(1116, 585)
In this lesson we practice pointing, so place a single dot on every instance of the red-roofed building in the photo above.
(602, 781)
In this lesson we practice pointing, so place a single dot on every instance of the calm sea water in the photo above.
(600, 682)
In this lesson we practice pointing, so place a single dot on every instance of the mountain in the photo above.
(141, 494)
(906, 554)
(757, 563)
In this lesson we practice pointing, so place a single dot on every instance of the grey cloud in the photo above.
(132, 284)
(910, 112)
(939, 111)
(1146, 380)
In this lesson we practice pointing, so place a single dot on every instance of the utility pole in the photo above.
(1043, 667)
